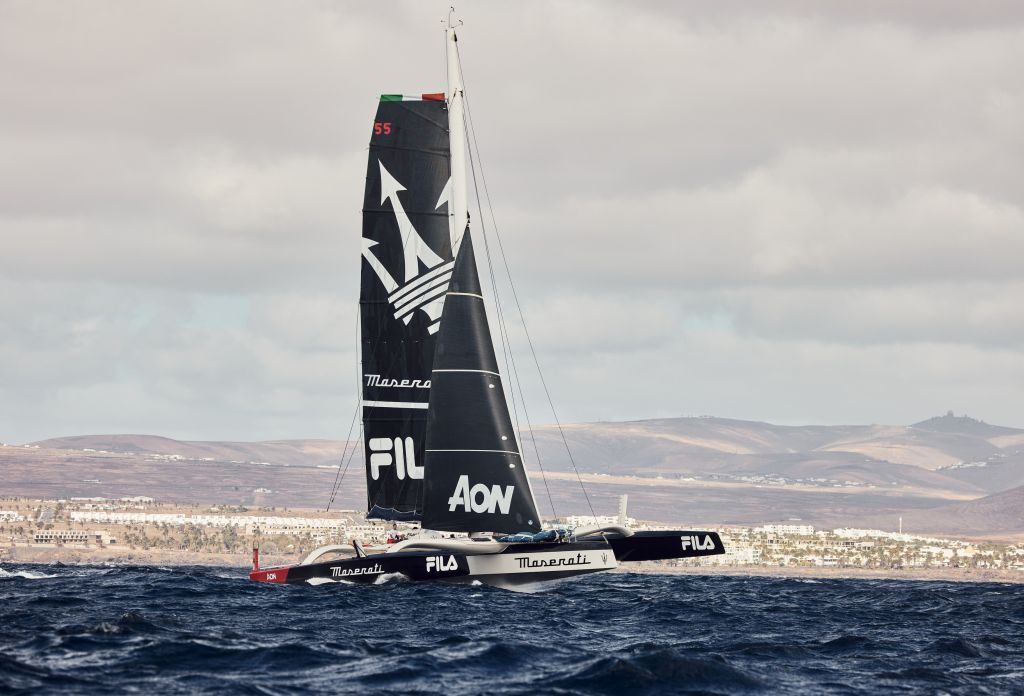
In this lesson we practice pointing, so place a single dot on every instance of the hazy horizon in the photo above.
(797, 214)
(538, 426)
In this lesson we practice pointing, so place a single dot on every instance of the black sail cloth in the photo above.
(475, 475)
(406, 267)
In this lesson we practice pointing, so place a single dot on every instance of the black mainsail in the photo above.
(476, 480)
(407, 265)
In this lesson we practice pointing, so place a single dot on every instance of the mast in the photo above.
(459, 210)
(476, 480)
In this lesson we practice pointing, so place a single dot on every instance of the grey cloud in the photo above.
(789, 211)
(983, 315)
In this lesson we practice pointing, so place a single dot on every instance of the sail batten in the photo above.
(515, 452)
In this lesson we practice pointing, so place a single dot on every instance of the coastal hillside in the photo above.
(955, 453)
(698, 469)
(994, 515)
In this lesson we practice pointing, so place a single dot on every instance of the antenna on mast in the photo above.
(448, 24)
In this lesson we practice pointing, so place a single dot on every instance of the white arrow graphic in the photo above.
(415, 248)
(454, 235)
(389, 283)
(446, 197)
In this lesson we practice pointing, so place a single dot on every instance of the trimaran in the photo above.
(439, 444)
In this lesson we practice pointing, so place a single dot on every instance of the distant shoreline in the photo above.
(84, 556)
(937, 574)
(144, 557)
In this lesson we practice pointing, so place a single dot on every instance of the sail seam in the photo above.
(400, 148)
(467, 294)
(484, 372)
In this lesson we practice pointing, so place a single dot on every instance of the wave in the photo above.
(25, 575)
(649, 672)
(957, 646)
(134, 628)
(388, 578)
(322, 581)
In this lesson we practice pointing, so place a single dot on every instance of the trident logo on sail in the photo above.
(418, 291)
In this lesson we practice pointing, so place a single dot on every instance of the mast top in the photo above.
(448, 22)
(458, 206)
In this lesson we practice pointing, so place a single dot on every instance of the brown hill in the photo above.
(949, 453)
(998, 514)
(280, 452)
(699, 469)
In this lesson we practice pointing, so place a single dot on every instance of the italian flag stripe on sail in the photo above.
(436, 96)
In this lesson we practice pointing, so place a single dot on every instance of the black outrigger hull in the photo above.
(513, 565)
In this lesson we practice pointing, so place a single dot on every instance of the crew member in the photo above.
(393, 536)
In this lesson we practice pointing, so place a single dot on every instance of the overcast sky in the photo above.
(797, 213)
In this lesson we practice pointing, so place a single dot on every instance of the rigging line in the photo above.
(352, 452)
(339, 476)
(533, 437)
(503, 328)
(509, 354)
(502, 333)
(510, 366)
(513, 371)
(515, 295)
(344, 470)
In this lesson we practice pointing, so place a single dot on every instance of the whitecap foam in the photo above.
(231, 576)
(320, 581)
(390, 577)
(26, 574)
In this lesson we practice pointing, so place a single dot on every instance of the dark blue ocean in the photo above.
(97, 630)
